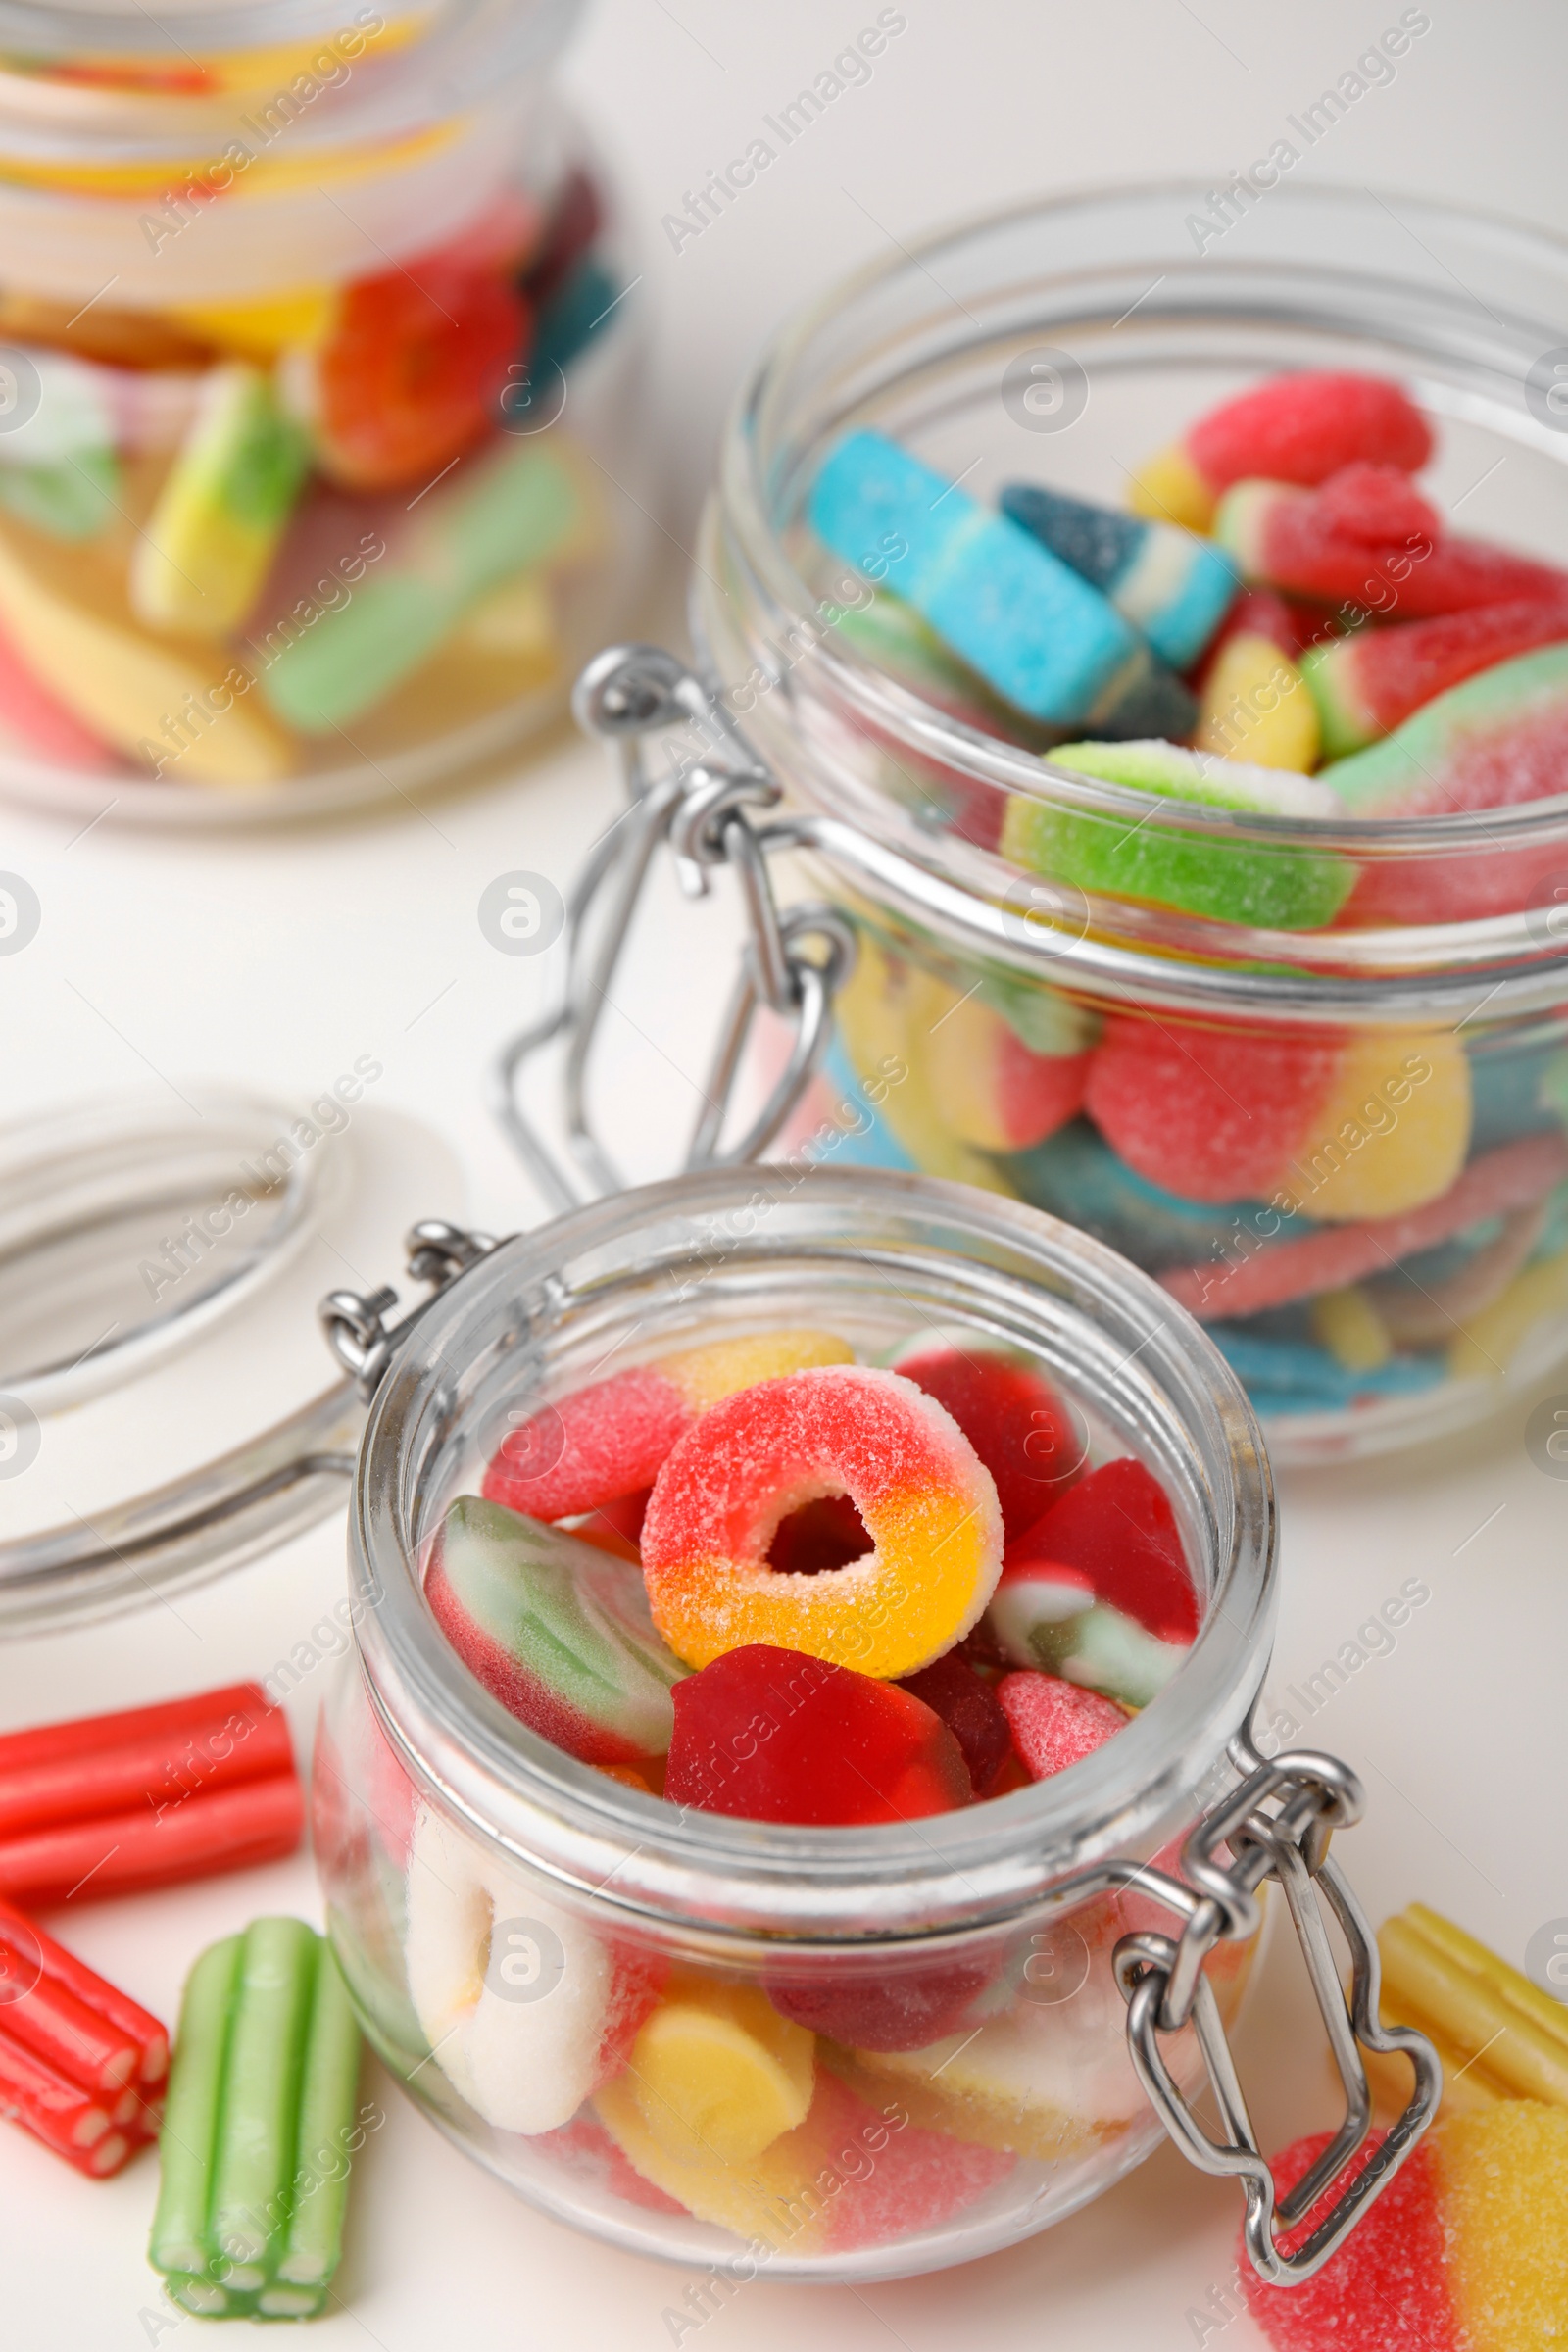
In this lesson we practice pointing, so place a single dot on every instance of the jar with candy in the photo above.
(793, 1810)
(1162, 646)
(319, 457)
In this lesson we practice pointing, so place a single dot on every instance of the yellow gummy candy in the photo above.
(262, 329)
(210, 538)
(1348, 1324)
(1489, 1339)
(1394, 1131)
(887, 1012)
(1168, 488)
(516, 620)
(704, 1376)
(1257, 707)
(717, 2075)
(1504, 2190)
(1483, 2016)
(774, 2197)
(961, 1053)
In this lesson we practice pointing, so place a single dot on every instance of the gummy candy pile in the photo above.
(1283, 629)
(244, 540)
(760, 1578)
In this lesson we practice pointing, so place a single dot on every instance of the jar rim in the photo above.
(1322, 974)
(750, 1880)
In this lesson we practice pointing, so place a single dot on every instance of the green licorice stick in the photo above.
(193, 2112)
(254, 2162)
(323, 2153)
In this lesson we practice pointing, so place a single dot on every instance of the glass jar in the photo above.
(321, 464)
(505, 1914)
(1323, 1061)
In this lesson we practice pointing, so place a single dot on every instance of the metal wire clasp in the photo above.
(1277, 1825)
(705, 807)
(354, 1323)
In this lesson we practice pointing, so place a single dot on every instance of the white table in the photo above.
(275, 960)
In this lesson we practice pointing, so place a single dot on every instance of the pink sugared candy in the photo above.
(1214, 1114)
(1117, 1528)
(1056, 1724)
(1015, 1419)
(1291, 428)
(770, 1735)
(967, 1705)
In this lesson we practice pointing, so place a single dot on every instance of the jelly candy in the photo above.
(554, 1629)
(82, 2066)
(1018, 1423)
(1513, 1176)
(716, 2070)
(1392, 1131)
(199, 562)
(885, 1013)
(1054, 1724)
(994, 1091)
(1047, 1616)
(1291, 429)
(408, 377)
(609, 1441)
(1496, 740)
(59, 468)
(1117, 1528)
(1465, 2250)
(511, 510)
(1239, 880)
(1368, 538)
(896, 2004)
(263, 329)
(1257, 707)
(967, 1705)
(929, 1504)
(772, 1735)
(585, 2148)
(1498, 2035)
(1038, 634)
(525, 2011)
(260, 2130)
(851, 2175)
(1366, 685)
(1076, 1175)
(33, 717)
(1214, 1113)
(1170, 584)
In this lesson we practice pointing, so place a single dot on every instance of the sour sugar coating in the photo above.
(995, 1092)
(1038, 634)
(1056, 1724)
(1500, 2036)
(1257, 707)
(557, 1630)
(1047, 1616)
(1116, 1528)
(839, 1747)
(967, 1705)
(1497, 740)
(526, 2011)
(716, 2071)
(81, 2065)
(1171, 585)
(1465, 2250)
(1019, 1425)
(1214, 1114)
(261, 2127)
(1368, 539)
(1293, 428)
(1366, 686)
(887, 2005)
(1212, 872)
(851, 2175)
(201, 561)
(603, 1443)
(928, 1503)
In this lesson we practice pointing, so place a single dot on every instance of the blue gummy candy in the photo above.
(1075, 1175)
(1292, 1376)
(1172, 585)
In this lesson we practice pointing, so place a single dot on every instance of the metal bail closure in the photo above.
(354, 1323)
(704, 805)
(1277, 1825)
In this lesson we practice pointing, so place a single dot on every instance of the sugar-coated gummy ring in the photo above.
(927, 1501)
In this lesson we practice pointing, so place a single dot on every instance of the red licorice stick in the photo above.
(146, 1756)
(45, 1992)
(229, 1829)
(59, 2112)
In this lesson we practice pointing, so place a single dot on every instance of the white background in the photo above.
(278, 959)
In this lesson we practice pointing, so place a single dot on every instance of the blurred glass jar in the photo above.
(318, 443)
(1311, 1074)
(948, 2065)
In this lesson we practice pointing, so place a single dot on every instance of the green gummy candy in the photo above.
(325, 2128)
(72, 500)
(192, 2112)
(1107, 1651)
(1414, 761)
(252, 2166)
(1284, 888)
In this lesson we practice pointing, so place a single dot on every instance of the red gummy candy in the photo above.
(1118, 1526)
(1056, 1724)
(772, 1735)
(1016, 1421)
(1305, 543)
(886, 2177)
(1378, 505)
(616, 1526)
(1385, 2289)
(1302, 428)
(1255, 613)
(411, 371)
(1214, 1114)
(897, 2008)
(967, 1705)
(595, 1447)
